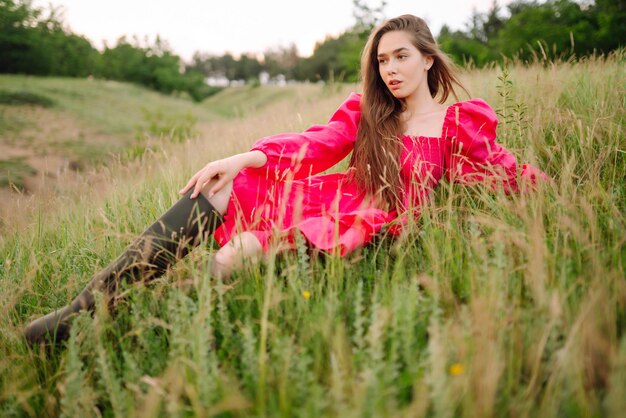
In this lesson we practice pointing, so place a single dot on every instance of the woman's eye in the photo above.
(401, 57)
(381, 61)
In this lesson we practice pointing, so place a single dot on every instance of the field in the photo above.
(490, 305)
(55, 132)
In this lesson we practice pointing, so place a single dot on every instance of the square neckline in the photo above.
(443, 126)
(421, 136)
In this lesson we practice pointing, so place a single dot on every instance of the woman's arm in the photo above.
(225, 170)
(292, 156)
(473, 154)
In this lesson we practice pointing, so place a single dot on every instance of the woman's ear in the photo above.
(429, 63)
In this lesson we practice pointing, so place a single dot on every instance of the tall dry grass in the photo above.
(490, 305)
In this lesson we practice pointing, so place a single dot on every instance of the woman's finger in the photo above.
(187, 186)
(205, 177)
(198, 186)
(190, 183)
(219, 184)
(200, 182)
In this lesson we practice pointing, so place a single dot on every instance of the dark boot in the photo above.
(169, 239)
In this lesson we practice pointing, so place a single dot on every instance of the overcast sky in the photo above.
(237, 26)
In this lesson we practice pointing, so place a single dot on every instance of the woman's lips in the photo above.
(394, 84)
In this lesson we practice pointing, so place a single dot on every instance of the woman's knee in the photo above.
(231, 256)
(225, 261)
(220, 199)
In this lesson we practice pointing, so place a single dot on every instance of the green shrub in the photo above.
(23, 97)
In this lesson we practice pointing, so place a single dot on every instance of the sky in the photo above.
(241, 26)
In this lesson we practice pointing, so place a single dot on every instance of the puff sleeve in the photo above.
(471, 153)
(299, 155)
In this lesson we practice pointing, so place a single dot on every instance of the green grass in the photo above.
(490, 305)
(115, 108)
(239, 101)
(111, 107)
(11, 124)
(24, 98)
(13, 171)
(108, 120)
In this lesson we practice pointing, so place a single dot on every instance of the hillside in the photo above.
(55, 130)
(489, 305)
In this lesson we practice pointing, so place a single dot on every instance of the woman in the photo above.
(403, 138)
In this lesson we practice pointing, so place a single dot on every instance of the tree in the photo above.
(33, 42)
(610, 16)
(339, 57)
(334, 58)
(367, 17)
(282, 60)
(554, 28)
(19, 39)
(464, 48)
(247, 67)
(154, 66)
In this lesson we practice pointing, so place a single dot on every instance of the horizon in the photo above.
(194, 26)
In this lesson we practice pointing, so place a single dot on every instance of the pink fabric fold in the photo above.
(288, 196)
(472, 154)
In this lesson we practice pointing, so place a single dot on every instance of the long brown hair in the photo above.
(376, 156)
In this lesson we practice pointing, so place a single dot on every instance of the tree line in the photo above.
(555, 29)
(35, 41)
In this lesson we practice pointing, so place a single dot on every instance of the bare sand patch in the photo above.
(55, 144)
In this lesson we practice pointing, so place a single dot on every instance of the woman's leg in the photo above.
(241, 248)
(167, 240)
(220, 199)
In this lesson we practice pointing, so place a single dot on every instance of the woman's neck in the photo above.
(420, 102)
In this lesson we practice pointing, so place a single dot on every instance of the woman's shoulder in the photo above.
(475, 105)
(353, 98)
(351, 105)
(474, 115)
(471, 109)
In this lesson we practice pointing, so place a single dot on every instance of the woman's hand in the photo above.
(224, 170)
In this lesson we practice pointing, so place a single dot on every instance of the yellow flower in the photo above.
(456, 369)
(306, 294)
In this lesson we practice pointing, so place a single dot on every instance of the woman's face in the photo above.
(403, 68)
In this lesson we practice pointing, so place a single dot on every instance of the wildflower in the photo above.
(306, 294)
(456, 369)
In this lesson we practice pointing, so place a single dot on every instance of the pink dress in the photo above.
(288, 194)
